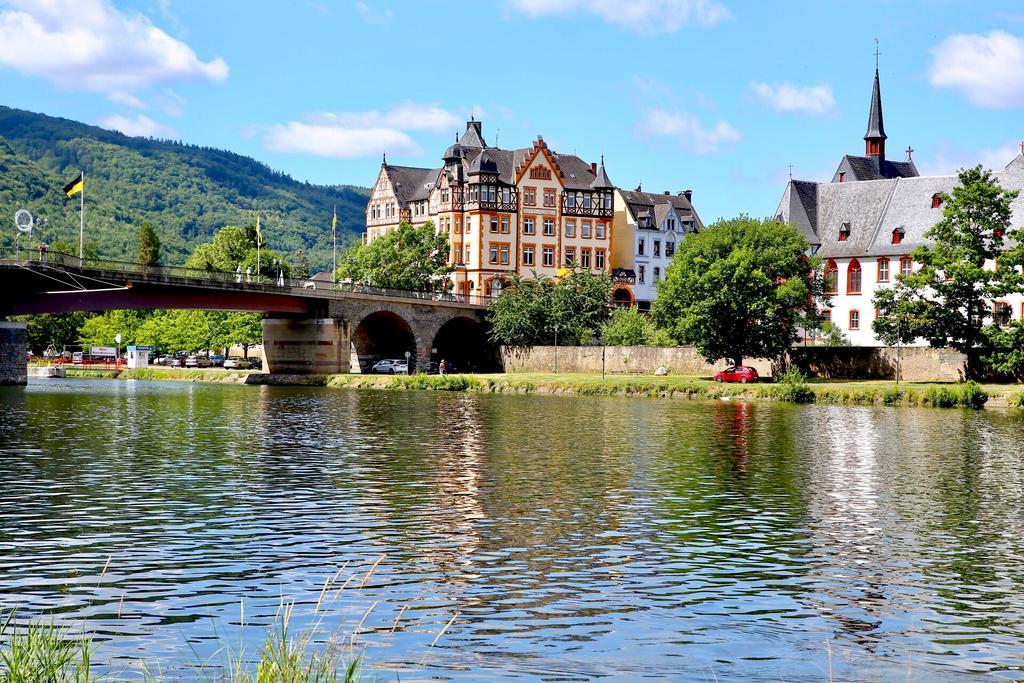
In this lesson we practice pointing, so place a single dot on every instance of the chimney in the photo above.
(639, 188)
(687, 193)
(667, 193)
(593, 168)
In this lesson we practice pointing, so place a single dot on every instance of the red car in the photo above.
(739, 373)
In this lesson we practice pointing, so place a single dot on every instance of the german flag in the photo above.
(75, 186)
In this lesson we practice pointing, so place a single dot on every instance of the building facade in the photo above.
(865, 223)
(518, 211)
(648, 228)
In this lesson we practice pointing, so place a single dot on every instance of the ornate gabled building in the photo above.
(867, 221)
(505, 211)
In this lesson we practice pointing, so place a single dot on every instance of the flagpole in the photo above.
(258, 240)
(334, 239)
(81, 225)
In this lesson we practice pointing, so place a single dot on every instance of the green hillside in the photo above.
(186, 192)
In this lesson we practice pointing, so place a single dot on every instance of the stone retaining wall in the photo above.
(918, 364)
(13, 353)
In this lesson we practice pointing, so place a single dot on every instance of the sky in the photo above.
(717, 96)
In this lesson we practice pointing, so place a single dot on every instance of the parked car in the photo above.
(197, 362)
(235, 363)
(739, 373)
(177, 361)
(389, 366)
(217, 360)
(256, 363)
(77, 357)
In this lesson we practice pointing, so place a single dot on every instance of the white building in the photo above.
(650, 227)
(865, 223)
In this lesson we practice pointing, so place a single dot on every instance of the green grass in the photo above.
(42, 653)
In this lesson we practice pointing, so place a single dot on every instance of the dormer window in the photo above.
(842, 176)
(897, 236)
(844, 232)
(936, 200)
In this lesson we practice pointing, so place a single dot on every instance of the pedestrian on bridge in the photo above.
(238, 273)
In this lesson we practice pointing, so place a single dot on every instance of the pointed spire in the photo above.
(384, 159)
(601, 181)
(874, 138)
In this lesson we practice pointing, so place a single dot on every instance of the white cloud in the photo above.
(137, 126)
(687, 130)
(814, 100)
(91, 45)
(988, 69)
(360, 134)
(949, 159)
(642, 16)
(374, 16)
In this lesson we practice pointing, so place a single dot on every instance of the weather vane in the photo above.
(877, 52)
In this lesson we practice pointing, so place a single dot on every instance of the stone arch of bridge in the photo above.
(462, 342)
(382, 333)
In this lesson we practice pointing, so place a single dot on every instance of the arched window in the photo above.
(936, 200)
(831, 277)
(1002, 314)
(853, 279)
(906, 265)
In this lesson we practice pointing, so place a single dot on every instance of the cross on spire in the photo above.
(1022, 146)
(877, 53)
(791, 171)
(910, 153)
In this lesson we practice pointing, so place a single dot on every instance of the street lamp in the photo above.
(556, 348)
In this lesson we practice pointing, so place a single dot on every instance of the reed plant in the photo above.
(42, 653)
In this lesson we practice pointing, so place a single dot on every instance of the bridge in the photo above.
(309, 327)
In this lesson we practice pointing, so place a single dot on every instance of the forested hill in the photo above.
(186, 192)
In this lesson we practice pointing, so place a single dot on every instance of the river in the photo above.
(571, 539)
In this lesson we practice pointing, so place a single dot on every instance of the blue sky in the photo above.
(718, 96)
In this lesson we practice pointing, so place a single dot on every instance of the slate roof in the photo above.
(871, 168)
(875, 208)
(876, 127)
(642, 203)
(473, 137)
(408, 181)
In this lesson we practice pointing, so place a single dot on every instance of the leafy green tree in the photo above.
(630, 327)
(410, 257)
(832, 335)
(1006, 354)
(224, 253)
(539, 310)
(55, 331)
(102, 330)
(946, 300)
(738, 289)
(300, 264)
(148, 253)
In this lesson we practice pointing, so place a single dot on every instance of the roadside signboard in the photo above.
(103, 351)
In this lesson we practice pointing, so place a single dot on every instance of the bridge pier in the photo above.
(306, 346)
(13, 353)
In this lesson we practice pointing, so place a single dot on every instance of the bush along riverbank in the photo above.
(789, 387)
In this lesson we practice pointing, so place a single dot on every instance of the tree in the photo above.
(224, 253)
(411, 257)
(300, 264)
(1006, 344)
(538, 310)
(630, 327)
(149, 246)
(832, 335)
(946, 300)
(102, 330)
(53, 330)
(738, 289)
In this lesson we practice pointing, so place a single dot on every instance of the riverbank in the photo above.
(867, 392)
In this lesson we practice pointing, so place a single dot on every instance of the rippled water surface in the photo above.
(570, 539)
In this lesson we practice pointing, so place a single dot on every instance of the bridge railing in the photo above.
(235, 280)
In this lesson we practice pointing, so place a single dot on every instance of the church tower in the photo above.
(874, 139)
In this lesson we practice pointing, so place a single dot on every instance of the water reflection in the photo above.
(571, 539)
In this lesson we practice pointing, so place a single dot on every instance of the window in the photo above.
(853, 277)
(570, 228)
(906, 266)
(936, 200)
(549, 256)
(585, 228)
(570, 256)
(528, 255)
(883, 270)
(549, 197)
(494, 253)
(844, 232)
(1002, 314)
(549, 226)
(670, 248)
(530, 196)
(842, 176)
(657, 273)
(587, 201)
(897, 236)
(657, 247)
(670, 223)
(504, 254)
(599, 230)
(529, 227)
(831, 277)
(854, 320)
(641, 273)
(504, 224)
(640, 246)
(458, 225)
(826, 314)
(584, 258)
(468, 255)
(494, 224)
(599, 259)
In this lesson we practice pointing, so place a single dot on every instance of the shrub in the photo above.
(792, 387)
(892, 396)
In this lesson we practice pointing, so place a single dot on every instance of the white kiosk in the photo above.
(138, 356)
